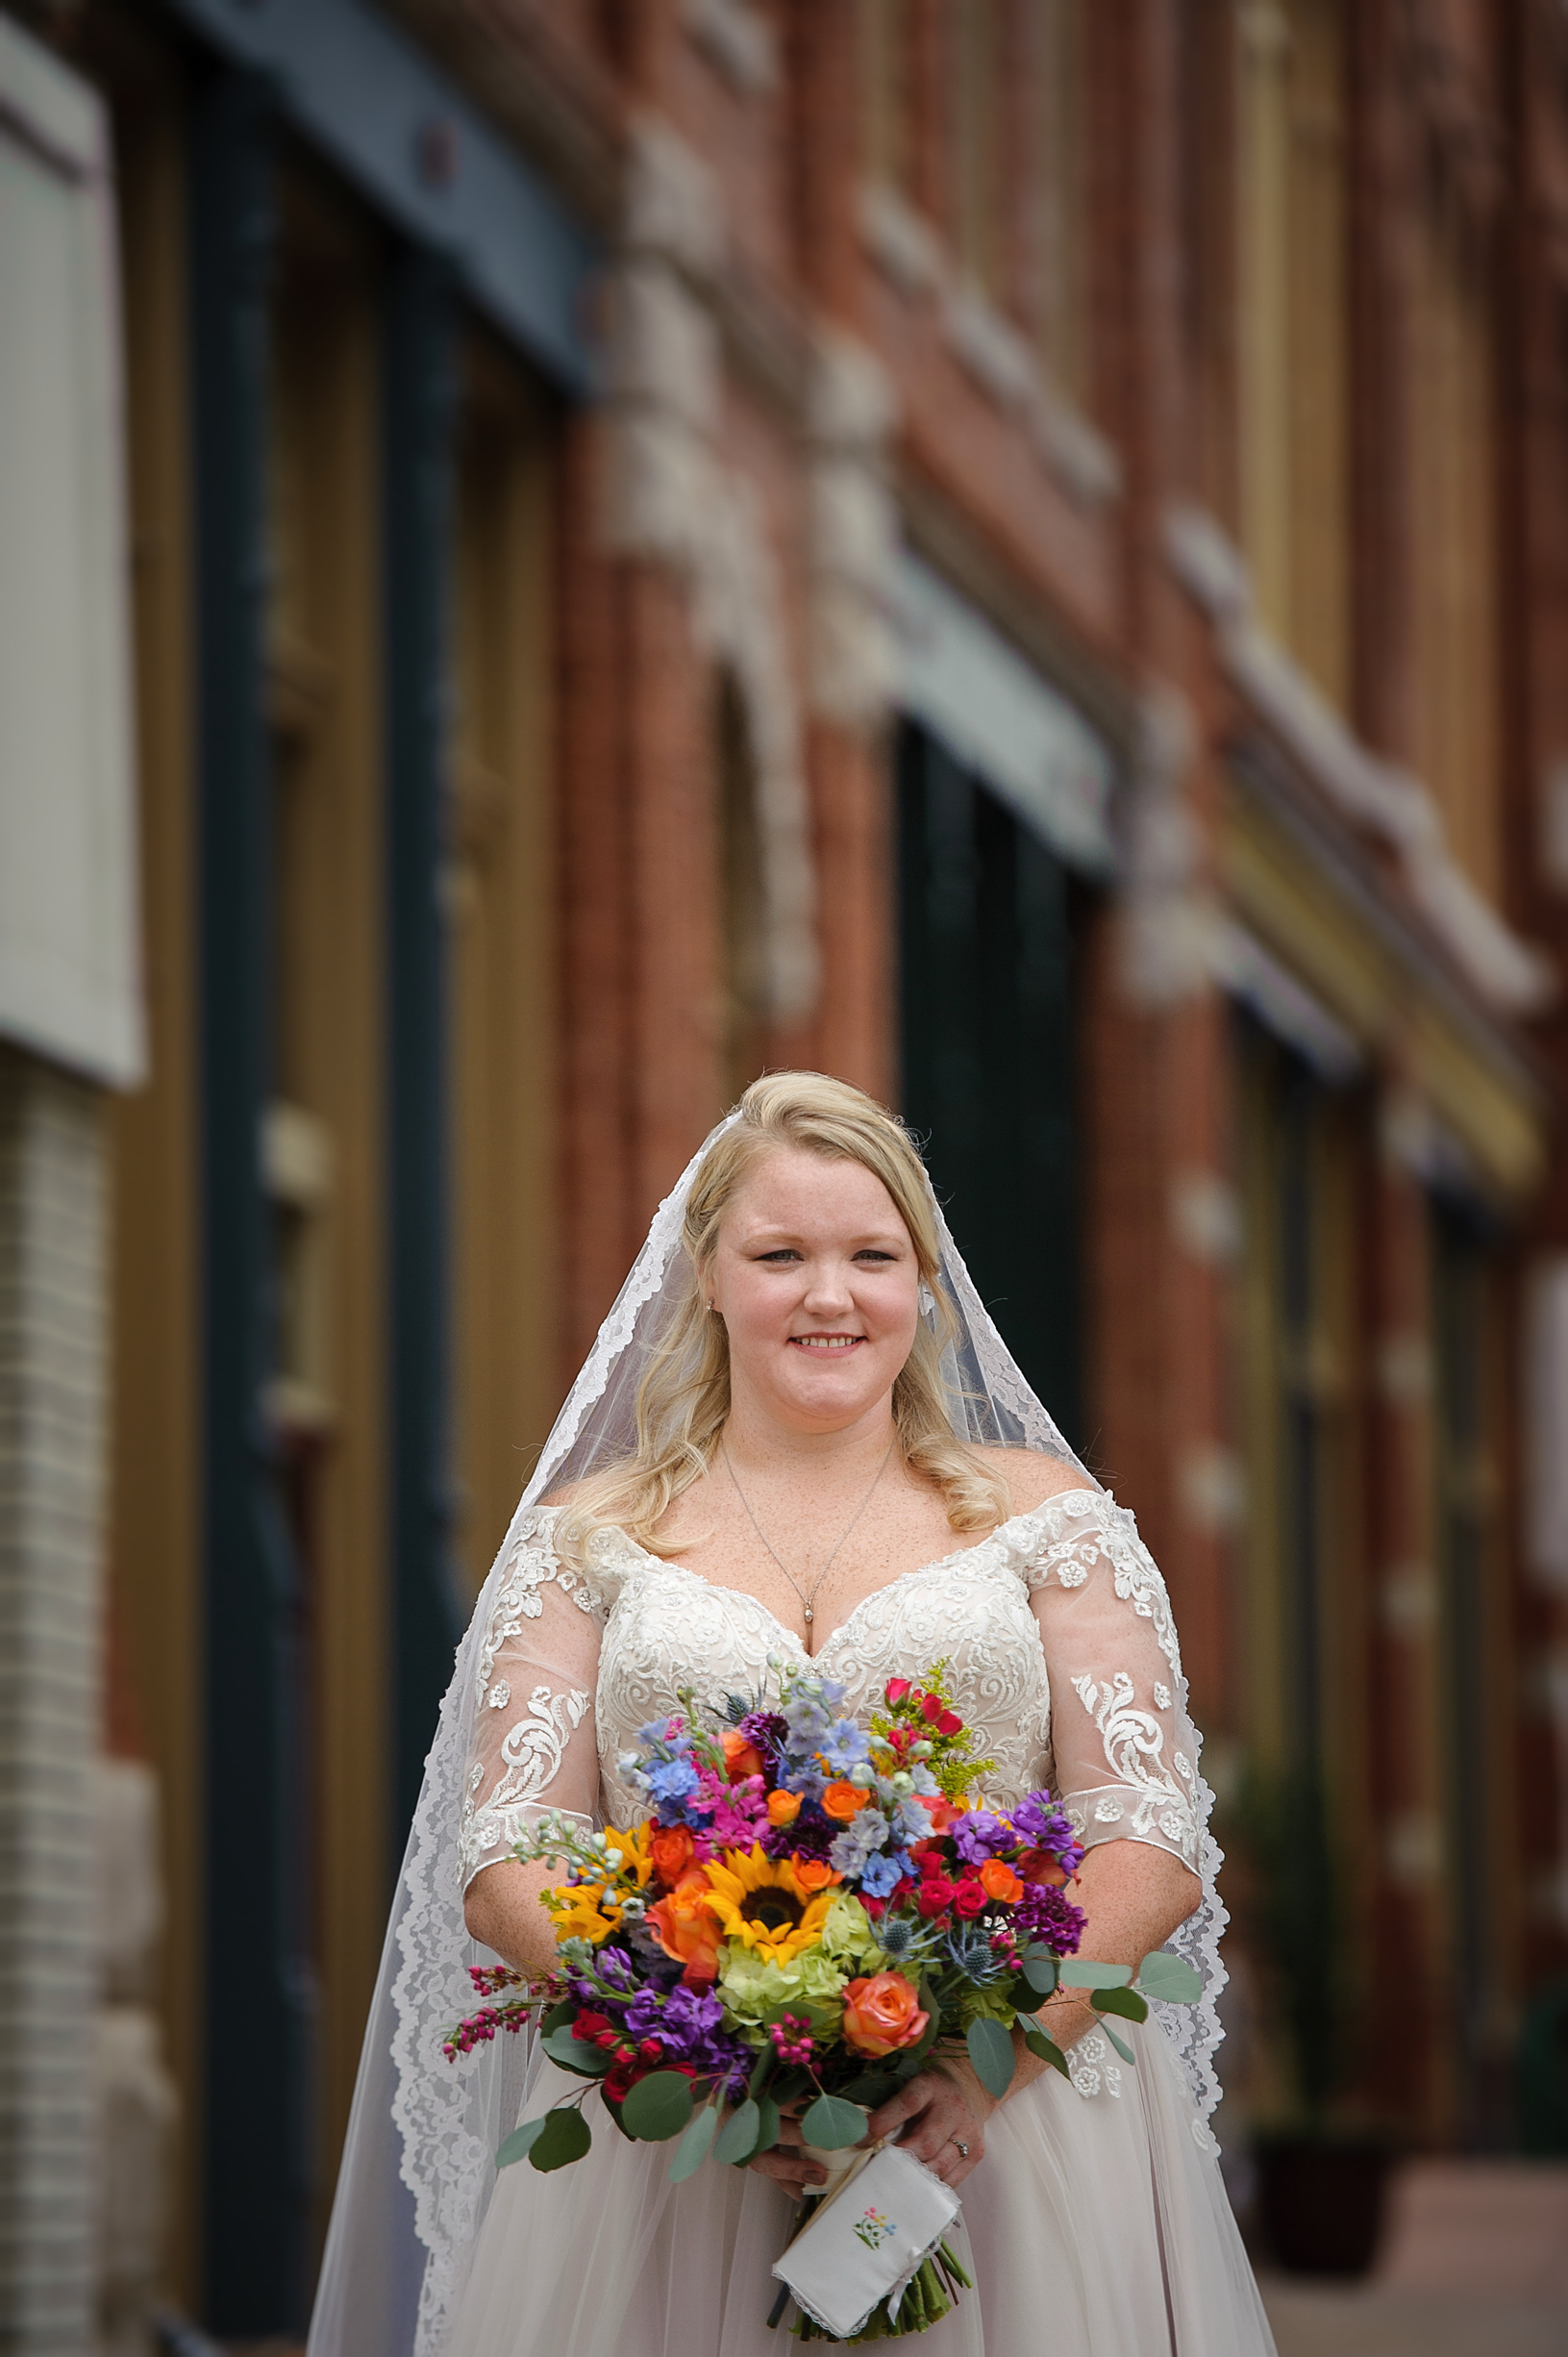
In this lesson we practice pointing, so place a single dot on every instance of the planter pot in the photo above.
(1322, 2203)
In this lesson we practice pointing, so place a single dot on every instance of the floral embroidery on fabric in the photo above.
(532, 1755)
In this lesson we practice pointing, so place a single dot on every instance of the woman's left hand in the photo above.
(943, 2110)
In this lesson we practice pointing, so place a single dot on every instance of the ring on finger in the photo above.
(962, 2147)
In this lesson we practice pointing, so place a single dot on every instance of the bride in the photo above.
(798, 1436)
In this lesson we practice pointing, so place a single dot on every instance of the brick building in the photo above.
(1013, 550)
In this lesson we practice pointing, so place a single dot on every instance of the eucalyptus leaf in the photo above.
(831, 2124)
(566, 2136)
(1124, 2002)
(521, 2141)
(693, 2148)
(1170, 1978)
(563, 2012)
(990, 2050)
(1040, 1972)
(1081, 1972)
(1048, 2050)
(737, 2138)
(659, 2106)
(1121, 2047)
(574, 2054)
(767, 2135)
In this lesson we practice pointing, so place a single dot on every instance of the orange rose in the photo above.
(740, 1758)
(814, 1873)
(686, 1930)
(671, 1850)
(999, 1881)
(882, 2015)
(843, 1800)
(783, 1807)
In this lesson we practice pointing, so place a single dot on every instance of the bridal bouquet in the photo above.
(810, 1907)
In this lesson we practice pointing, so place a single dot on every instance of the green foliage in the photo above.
(564, 2138)
(574, 2054)
(737, 2138)
(990, 2050)
(658, 2107)
(1083, 1972)
(1124, 2002)
(831, 2124)
(1046, 2048)
(1170, 1978)
(693, 2148)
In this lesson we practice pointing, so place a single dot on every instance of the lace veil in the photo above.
(418, 2162)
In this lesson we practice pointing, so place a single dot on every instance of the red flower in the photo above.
(936, 1714)
(895, 1689)
(591, 2027)
(970, 1897)
(935, 1895)
(1039, 1865)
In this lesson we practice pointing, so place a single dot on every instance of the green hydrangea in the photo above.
(755, 1994)
(849, 1938)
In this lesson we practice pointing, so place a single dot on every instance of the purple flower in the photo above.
(1039, 1823)
(980, 1835)
(813, 1833)
(689, 2023)
(766, 1729)
(1047, 1917)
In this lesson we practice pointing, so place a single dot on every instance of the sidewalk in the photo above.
(1473, 2264)
(1376, 2321)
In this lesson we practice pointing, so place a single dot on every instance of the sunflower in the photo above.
(633, 1851)
(582, 1911)
(763, 1905)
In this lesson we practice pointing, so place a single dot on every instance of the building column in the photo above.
(257, 2029)
(52, 1411)
(421, 392)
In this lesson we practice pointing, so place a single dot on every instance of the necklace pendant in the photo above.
(809, 1616)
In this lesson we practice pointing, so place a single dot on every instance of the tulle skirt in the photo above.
(1095, 2226)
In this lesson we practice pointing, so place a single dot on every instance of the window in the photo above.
(500, 848)
(743, 930)
(980, 147)
(1455, 525)
(1293, 355)
(885, 92)
(1054, 161)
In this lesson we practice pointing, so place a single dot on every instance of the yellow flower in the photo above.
(633, 1854)
(579, 1912)
(764, 1906)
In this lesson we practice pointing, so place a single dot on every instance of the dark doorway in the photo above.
(987, 923)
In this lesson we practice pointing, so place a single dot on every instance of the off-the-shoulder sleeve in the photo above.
(1126, 1752)
(533, 1745)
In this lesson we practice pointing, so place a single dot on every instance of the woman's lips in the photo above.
(825, 1345)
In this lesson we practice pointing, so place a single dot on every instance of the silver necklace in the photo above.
(807, 1601)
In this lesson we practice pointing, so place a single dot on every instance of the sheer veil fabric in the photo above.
(418, 2169)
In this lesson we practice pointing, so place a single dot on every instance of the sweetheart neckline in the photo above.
(938, 1562)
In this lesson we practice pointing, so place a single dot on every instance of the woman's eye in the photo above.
(869, 1255)
(784, 1253)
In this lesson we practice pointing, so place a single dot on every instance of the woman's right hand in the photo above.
(786, 2161)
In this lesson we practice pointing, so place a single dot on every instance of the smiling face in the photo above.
(817, 1282)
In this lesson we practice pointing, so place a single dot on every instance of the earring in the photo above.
(928, 1299)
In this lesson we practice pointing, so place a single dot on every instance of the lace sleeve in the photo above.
(1126, 1754)
(533, 1744)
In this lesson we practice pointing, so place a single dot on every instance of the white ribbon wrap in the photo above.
(882, 2214)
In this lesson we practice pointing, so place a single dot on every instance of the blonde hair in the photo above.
(683, 1399)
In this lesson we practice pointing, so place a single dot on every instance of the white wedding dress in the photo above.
(1097, 2224)
(1096, 2220)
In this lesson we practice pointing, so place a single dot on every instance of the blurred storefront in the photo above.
(1009, 549)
